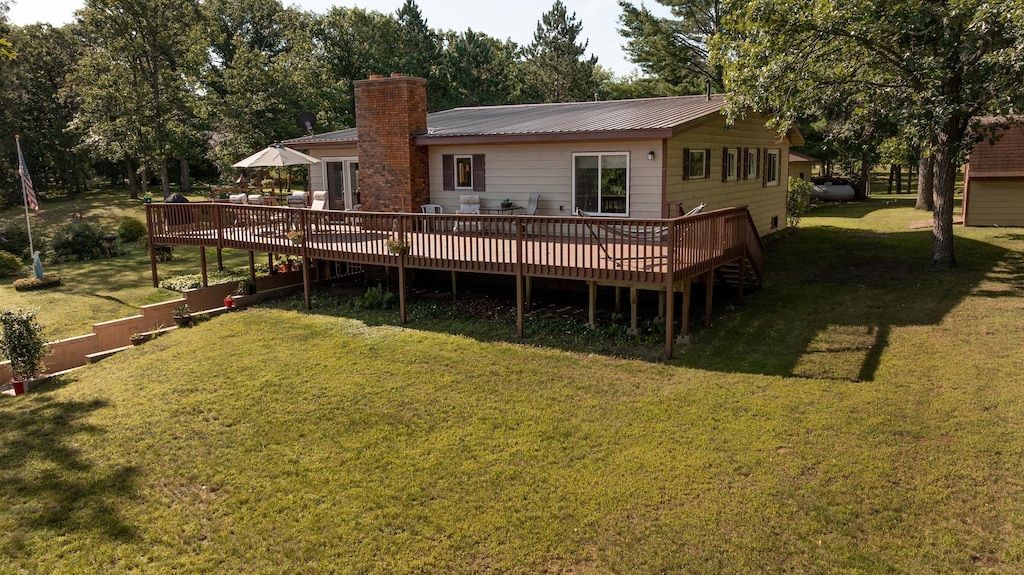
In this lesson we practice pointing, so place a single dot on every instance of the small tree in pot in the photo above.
(22, 343)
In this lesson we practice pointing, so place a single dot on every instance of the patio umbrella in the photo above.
(276, 156)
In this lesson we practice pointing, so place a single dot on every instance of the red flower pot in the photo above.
(19, 386)
(229, 302)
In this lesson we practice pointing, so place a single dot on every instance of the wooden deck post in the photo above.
(218, 224)
(529, 291)
(202, 263)
(709, 280)
(661, 303)
(306, 261)
(634, 305)
(592, 304)
(152, 248)
(252, 268)
(520, 280)
(684, 321)
(618, 299)
(668, 301)
(455, 287)
(401, 275)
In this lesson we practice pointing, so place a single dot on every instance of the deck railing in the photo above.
(604, 249)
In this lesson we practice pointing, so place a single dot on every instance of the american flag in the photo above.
(26, 180)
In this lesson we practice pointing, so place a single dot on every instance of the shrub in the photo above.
(21, 342)
(376, 298)
(76, 241)
(798, 199)
(15, 237)
(131, 230)
(30, 284)
(9, 263)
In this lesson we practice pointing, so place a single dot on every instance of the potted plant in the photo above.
(22, 343)
(183, 315)
(398, 247)
(139, 338)
(295, 236)
(506, 203)
(229, 301)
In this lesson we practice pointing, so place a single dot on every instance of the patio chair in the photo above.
(468, 204)
(319, 200)
(297, 200)
(531, 206)
(430, 209)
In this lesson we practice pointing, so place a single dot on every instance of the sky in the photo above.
(503, 19)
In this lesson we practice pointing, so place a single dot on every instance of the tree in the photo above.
(136, 85)
(674, 50)
(555, 69)
(476, 70)
(931, 67)
(5, 45)
(35, 109)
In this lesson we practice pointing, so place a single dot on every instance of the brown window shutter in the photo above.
(725, 164)
(743, 163)
(764, 168)
(757, 169)
(479, 178)
(707, 163)
(448, 171)
(686, 163)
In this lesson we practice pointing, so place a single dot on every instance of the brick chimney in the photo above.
(392, 169)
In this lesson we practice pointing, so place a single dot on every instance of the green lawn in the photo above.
(102, 289)
(858, 414)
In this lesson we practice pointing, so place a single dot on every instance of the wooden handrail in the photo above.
(609, 249)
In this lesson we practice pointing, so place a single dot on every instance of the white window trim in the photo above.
(772, 159)
(572, 170)
(703, 164)
(346, 174)
(733, 156)
(455, 167)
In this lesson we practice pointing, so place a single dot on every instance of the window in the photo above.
(463, 172)
(730, 164)
(771, 167)
(696, 164)
(753, 164)
(600, 182)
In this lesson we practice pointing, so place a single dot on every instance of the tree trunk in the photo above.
(898, 168)
(165, 178)
(144, 179)
(926, 184)
(942, 216)
(133, 178)
(865, 176)
(892, 172)
(186, 180)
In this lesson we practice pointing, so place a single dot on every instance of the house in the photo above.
(801, 166)
(994, 180)
(645, 158)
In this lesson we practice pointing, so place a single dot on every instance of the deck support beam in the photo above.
(306, 262)
(670, 305)
(592, 305)
(634, 306)
(661, 303)
(455, 287)
(618, 299)
(684, 320)
(740, 277)
(529, 291)
(709, 283)
(202, 264)
(220, 259)
(520, 282)
(252, 268)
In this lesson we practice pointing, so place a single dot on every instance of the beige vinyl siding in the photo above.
(316, 171)
(514, 171)
(992, 202)
(763, 202)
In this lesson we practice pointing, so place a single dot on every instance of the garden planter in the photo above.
(229, 302)
(19, 386)
(183, 320)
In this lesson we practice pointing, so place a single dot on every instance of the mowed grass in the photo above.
(858, 414)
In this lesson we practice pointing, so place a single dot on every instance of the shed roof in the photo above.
(799, 157)
(615, 119)
(1004, 158)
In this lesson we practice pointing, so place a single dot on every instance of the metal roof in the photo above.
(649, 117)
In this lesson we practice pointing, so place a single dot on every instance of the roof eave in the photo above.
(609, 135)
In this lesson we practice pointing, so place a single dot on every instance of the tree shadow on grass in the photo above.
(830, 300)
(48, 486)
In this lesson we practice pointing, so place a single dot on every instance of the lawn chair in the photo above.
(531, 207)
(430, 209)
(468, 204)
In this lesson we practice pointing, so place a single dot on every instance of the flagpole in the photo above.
(24, 200)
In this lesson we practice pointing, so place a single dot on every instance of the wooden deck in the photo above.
(657, 254)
